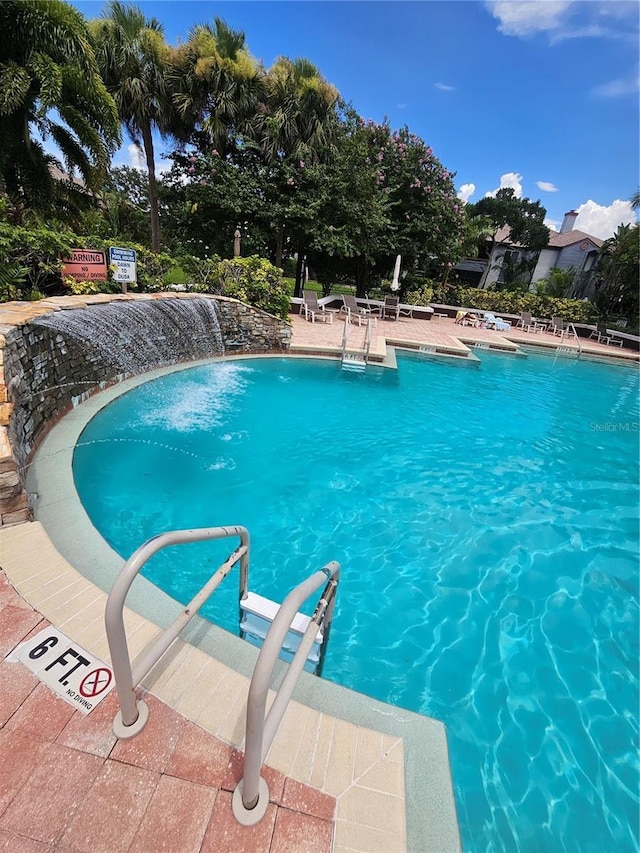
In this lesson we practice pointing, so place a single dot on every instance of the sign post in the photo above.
(123, 265)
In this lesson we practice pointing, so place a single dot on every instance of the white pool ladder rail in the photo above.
(251, 797)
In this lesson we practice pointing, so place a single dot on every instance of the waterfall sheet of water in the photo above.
(135, 336)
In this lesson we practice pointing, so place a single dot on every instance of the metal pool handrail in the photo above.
(133, 715)
(251, 796)
(368, 340)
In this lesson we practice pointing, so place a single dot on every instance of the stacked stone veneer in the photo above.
(44, 372)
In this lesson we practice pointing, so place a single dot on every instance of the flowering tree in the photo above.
(392, 196)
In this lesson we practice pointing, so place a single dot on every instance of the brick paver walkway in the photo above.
(67, 784)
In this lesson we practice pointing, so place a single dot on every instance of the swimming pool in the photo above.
(487, 525)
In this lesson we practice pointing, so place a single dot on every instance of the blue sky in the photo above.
(539, 95)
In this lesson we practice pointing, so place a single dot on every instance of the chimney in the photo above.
(569, 221)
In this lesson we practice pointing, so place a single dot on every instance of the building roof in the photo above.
(559, 241)
(556, 239)
(471, 265)
(58, 175)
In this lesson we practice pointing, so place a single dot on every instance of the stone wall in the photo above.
(56, 352)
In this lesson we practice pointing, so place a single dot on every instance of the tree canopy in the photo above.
(51, 88)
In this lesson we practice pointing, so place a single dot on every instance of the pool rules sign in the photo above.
(77, 676)
(123, 265)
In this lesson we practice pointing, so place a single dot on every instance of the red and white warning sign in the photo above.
(77, 676)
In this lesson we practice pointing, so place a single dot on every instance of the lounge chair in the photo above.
(313, 310)
(497, 323)
(355, 313)
(391, 308)
(467, 318)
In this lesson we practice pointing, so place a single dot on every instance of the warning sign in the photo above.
(85, 265)
(77, 676)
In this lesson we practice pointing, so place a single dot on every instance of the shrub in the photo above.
(202, 274)
(508, 302)
(255, 281)
(420, 297)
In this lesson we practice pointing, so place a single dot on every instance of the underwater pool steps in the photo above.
(302, 638)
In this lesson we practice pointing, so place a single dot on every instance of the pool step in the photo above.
(353, 361)
(257, 614)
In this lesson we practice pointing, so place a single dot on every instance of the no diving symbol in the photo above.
(96, 682)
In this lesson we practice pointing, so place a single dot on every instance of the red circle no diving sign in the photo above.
(95, 682)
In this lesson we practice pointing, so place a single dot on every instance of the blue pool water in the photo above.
(487, 525)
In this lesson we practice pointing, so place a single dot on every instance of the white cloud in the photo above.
(554, 224)
(136, 157)
(526, 17)
(546, 187)
(466, 191)
(137, 160)
(603, 221)
(510, 179)
(443, 87)
(565, 19)
(617, 88)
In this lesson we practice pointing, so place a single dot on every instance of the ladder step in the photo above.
(264, 608)
(259, 612)
(353, 362)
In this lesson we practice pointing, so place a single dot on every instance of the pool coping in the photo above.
(357, 722)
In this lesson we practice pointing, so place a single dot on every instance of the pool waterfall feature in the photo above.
(57, 352)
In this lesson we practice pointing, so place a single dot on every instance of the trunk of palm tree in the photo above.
(299, 274)
(147, 141)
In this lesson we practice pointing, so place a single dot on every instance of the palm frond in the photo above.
(14, 86)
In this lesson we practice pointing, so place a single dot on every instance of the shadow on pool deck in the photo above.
(67, 784)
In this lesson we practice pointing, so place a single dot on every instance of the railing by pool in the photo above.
(251, 797)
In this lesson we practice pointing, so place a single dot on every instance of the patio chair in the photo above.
(599, 332)
(355, 313)
(391, 308)
(497, 323)
(312, 309)
(526, 322)
(557, 326)
(604, 337)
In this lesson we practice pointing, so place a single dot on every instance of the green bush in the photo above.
(36, 254)
(257, 282)
(419, 297)
(201, 274)
(508, 302)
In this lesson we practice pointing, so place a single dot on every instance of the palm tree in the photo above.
(635, 200)
(50, 87)
(216, 83)
(298, 120)
(134, 60)
(297, 124)
(617, 292)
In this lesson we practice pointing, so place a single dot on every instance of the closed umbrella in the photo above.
(395, 284)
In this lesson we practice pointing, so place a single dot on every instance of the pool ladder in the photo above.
(356, 360)
(282, 629)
